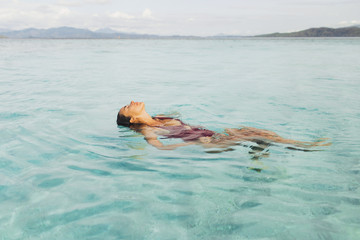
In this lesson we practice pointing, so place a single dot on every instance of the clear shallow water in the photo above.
(68, 172)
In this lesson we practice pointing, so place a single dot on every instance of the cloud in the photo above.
(98, 1)
(178, 18)
(147, 14)
(20, 15)
(322, 2)
(352, 22)
(121, 15)
(41, 16)
(81, 3)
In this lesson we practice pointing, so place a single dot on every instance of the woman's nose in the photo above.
(132, 102)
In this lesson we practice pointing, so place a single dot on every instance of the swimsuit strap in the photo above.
(163, 118)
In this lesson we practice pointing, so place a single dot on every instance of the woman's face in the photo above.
(133, 109)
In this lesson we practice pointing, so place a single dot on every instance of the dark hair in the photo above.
(122, 120)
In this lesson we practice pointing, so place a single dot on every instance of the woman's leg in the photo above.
(255, 134)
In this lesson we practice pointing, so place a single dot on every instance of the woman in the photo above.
(134, 116)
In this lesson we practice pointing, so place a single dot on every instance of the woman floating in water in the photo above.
(135, 117)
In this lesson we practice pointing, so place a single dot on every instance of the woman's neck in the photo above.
(148, 120)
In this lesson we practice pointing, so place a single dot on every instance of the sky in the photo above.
(181, 17)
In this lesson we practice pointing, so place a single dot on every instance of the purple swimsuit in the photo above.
(182, 131)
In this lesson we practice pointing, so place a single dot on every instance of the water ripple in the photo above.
(69, 172)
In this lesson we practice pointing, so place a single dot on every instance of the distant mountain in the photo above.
(320, 32)
(62, 32)
(106, 30)
(108, 33)
(71, 33)
(4, 30)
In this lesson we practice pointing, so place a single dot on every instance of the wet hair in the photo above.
(123, 121)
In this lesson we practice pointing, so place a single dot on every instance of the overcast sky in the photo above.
(184, 17)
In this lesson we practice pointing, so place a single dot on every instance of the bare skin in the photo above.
(150, 128)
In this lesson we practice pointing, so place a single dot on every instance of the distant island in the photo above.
(78, 33)
(107, 33)
(320, 32)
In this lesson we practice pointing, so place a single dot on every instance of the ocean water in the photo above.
(67, 171)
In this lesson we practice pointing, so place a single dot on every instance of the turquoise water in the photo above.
(68, 172)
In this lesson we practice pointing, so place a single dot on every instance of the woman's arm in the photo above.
(151, 138)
